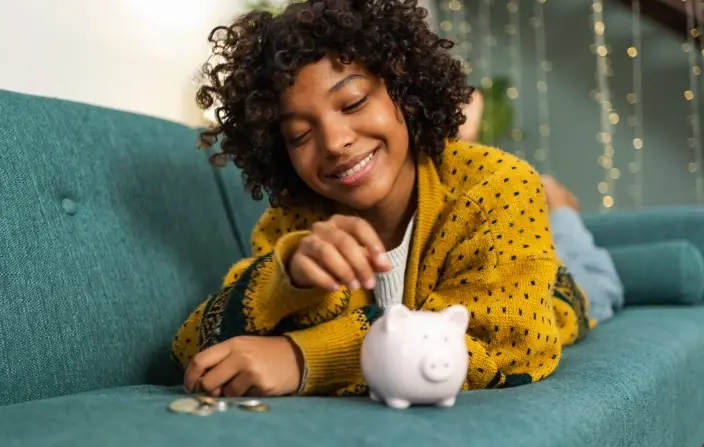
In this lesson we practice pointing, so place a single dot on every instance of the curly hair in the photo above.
(258, 56)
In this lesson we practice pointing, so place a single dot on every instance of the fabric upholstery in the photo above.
(111, 230)
(669, 272)
(633, 382)
(243, 210)
(648, 225)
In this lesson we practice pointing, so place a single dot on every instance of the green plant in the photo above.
(497, 120)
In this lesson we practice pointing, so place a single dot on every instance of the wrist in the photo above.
(300, 364)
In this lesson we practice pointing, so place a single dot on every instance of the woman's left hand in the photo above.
(246, 366)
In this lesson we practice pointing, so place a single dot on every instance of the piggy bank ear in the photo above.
(457, 315)
(394, 315)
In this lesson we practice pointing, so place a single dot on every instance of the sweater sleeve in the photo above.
(493, 255)
(256, 294)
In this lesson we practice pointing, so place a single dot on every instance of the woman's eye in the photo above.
(356, 105)
(297, 140)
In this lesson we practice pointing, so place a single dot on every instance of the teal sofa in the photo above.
(113, 226)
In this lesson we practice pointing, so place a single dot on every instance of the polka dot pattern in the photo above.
(491, 252)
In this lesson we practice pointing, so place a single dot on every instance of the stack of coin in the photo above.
(211, 402)
(200, 405)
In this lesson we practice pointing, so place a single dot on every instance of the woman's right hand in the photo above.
(341, 250)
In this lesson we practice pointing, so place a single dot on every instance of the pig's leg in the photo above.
(447, 403)
(373, 396)
(398, 404)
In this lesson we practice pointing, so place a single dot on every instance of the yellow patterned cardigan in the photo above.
(481, 240)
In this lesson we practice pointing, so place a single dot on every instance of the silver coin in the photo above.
(184, 405)
(254, 406)
(249, 403)
(203, 411)
(220, 406)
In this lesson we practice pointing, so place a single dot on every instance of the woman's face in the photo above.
(346, 138)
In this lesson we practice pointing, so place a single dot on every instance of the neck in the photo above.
(391, 217)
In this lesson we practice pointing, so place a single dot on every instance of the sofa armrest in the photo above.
(648, 225)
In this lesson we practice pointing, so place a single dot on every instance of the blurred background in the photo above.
(603, 94)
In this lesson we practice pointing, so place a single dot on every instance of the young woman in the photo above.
(346, 112)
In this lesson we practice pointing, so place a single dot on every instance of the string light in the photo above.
(465, 45)
(692, 95)
(485, 59)
(515, 92)
(461, 29)
(542, 154)
(636, 99)
(608, 116)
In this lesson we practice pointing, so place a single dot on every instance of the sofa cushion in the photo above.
(668, 272)
(112, 229)
(655, 224)
(634, 381)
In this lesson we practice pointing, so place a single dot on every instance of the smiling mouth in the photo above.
(356, 168)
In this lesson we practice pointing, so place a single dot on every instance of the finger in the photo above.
(329, 259)
(355, 255)
(309, 268)
(239, 385)
(202, 362)
(365, 235)
(221, 374)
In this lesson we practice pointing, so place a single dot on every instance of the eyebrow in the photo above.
(335, 88)
(344, 81)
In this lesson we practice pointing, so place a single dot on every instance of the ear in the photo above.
(394, 315)
(458, 315)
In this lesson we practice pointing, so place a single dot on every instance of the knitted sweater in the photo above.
(389, 285)
(481, 239)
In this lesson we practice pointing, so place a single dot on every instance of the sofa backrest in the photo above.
(244, 211)
(112, 229)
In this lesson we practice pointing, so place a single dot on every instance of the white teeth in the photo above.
(357, 167)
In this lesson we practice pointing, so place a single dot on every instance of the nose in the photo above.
(336, 137)
(436, 367)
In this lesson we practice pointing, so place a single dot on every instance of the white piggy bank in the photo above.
(416, 357)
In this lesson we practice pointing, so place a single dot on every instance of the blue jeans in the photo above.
(591, 266)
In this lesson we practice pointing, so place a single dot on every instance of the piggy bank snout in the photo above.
(437, 367)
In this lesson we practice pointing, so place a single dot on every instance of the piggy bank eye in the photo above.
(425, 337)
(445, 339)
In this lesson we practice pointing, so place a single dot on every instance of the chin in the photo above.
(366, 197)
(362, 204)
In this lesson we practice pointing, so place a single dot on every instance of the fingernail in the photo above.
(335, 287)
(354, 285)
(369, 284)
(382, 259)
